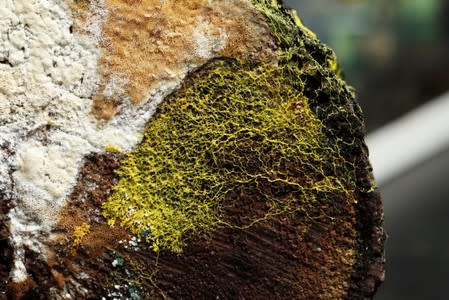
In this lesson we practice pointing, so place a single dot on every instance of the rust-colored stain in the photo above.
(147, 42)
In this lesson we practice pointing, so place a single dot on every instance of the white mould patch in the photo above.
(208, 39)
(116, 88)
(5, 109)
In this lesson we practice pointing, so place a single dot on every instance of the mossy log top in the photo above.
(252, 181)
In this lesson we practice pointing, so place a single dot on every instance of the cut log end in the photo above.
(252, 180)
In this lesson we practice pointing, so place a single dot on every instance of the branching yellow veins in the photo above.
(300, 24)
(234, 128)
(241, 129)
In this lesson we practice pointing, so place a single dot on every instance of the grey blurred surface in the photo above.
(417, 222)
(410, 157)
(406, 142)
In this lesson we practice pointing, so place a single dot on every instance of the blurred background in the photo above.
(396, 54)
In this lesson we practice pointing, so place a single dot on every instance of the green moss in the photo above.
(256, 129)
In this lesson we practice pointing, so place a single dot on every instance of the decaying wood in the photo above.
(309, 228)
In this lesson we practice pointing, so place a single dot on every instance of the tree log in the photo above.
(183, 150)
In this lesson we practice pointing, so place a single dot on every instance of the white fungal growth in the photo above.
(208, 39)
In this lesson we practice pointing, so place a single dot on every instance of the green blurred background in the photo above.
(394, 52)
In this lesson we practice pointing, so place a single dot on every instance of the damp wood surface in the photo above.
(180, 150)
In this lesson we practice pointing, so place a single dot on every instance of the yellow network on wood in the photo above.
(233, 128)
